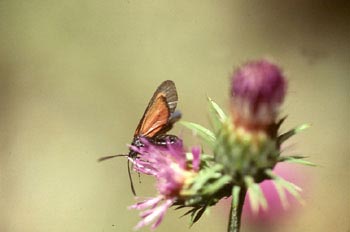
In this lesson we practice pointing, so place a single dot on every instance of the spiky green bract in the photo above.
(207, 135)
(242, 159)
(243, 153)
(285, 136)
(209, 186)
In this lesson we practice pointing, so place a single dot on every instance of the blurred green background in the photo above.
(76, 76)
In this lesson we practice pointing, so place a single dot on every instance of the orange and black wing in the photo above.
(162, 105)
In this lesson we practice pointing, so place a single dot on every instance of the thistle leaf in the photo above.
(282, 195)
(198, 215)
(280, 122)
(217, 114)
(217, 185)
(283, 137)
(256, 195)
(207, 135)
(283, 158)
(206, 175)
(263, 201)
(252, 196)
(297, 160)
(288, 186)
(189, 212)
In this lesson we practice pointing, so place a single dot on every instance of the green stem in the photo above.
(238, 196)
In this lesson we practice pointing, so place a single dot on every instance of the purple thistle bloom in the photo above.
(153, 210)
(172, 171)
(258, 89)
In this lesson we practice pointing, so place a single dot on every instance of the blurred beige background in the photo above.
(76, 76)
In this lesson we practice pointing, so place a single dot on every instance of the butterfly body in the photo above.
(161, 140)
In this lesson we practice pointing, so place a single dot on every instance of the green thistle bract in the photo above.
(241, 160)
(243, 153)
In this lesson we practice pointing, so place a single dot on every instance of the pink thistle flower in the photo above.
(172, 171)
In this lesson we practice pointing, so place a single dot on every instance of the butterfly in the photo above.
(157, 120)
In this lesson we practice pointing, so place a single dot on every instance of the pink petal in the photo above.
(146, 204)
(196, 151)
(156, 213)
(167, 204)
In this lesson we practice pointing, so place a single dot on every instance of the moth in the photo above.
(157, 120)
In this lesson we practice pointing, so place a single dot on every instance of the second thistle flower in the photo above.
(246, 143)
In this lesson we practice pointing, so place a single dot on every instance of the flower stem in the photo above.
(238, 196)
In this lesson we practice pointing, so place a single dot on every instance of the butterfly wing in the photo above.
(156, 118)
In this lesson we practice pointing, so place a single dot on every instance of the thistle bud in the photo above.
(257, 91)
(247, 145)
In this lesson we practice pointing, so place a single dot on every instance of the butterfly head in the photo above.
(136, 142)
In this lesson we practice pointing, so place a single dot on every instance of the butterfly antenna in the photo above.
(110, 157)
(130, 178)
